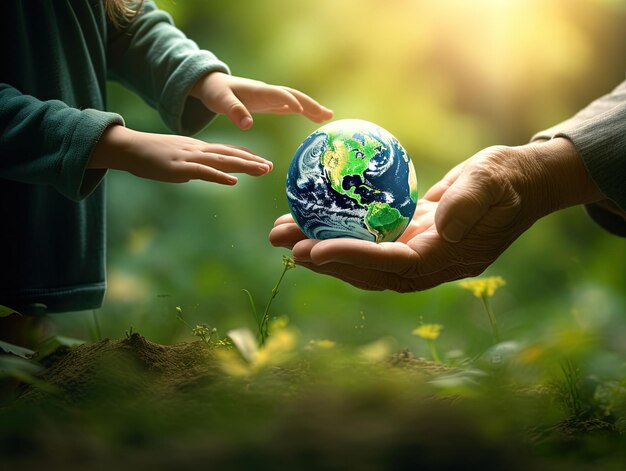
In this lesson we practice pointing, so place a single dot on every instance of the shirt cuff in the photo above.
(76, 181)
(180, 112)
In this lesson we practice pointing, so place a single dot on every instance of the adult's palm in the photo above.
(461, 225)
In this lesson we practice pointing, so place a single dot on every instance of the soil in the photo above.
(132, 403)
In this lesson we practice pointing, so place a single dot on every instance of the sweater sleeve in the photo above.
(159, 63)
(599, 134)
(59, 154)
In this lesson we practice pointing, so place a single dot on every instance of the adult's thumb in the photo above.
(464, 203)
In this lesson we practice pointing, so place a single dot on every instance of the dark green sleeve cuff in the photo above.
(75, 180)
(180, 112)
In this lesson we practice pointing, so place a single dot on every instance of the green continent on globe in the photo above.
(346, 157)
(384, 222)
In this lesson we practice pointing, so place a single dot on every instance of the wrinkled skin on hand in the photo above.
(461, 225)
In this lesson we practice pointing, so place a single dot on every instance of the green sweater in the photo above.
(56, 59)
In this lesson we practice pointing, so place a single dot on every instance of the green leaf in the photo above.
(7, 311)
(16, 350)
(53, 343)
(68, 341)
(13, 366)
(25, 371)
(254, 311)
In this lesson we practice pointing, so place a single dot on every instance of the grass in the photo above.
(276, 397)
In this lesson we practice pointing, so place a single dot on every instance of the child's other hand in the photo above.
(174, 159)
(238, 97)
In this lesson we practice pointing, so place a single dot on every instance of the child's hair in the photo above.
(122, 12)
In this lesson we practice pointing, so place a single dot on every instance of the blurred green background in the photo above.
(447, 78)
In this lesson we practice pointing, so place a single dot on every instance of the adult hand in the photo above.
(463, 223)
(238, 97)
(174, 159)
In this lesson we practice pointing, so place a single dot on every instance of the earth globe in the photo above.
(352, 178)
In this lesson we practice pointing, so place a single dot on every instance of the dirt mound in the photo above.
(134, 404)
(131, 367)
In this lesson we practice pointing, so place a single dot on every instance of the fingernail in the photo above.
(246, 122)
(454, 231)
(304, 257)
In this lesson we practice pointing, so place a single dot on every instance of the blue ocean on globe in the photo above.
(352, 178)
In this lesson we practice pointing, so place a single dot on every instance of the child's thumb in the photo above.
(237, 112)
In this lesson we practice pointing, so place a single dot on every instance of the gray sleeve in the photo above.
(599, 134)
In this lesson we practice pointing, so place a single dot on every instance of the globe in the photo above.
(352, 178)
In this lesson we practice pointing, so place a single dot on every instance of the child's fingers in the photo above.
(234, 151)
(310, 108)
(248, 154)
(278, 98)
(195, 171)
(236, 111)
(231, 164)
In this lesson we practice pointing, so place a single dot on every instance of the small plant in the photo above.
(263, 321)
(203, 331)
(430, 333)
(610, 396)
(484, 289)
(570, 388)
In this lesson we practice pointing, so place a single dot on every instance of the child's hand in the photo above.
(238, 97)
(174, 159)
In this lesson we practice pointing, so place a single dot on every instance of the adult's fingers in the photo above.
(373, 280)
(423, 219)
(286, 235)
(435, 192)
(389, 257)
(284, 219)
(362, 279)
(465, 202)
(425, 254)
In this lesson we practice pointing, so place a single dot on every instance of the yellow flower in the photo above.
(428, 331)
(323, 344)
(483, 286)
(376, 351)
